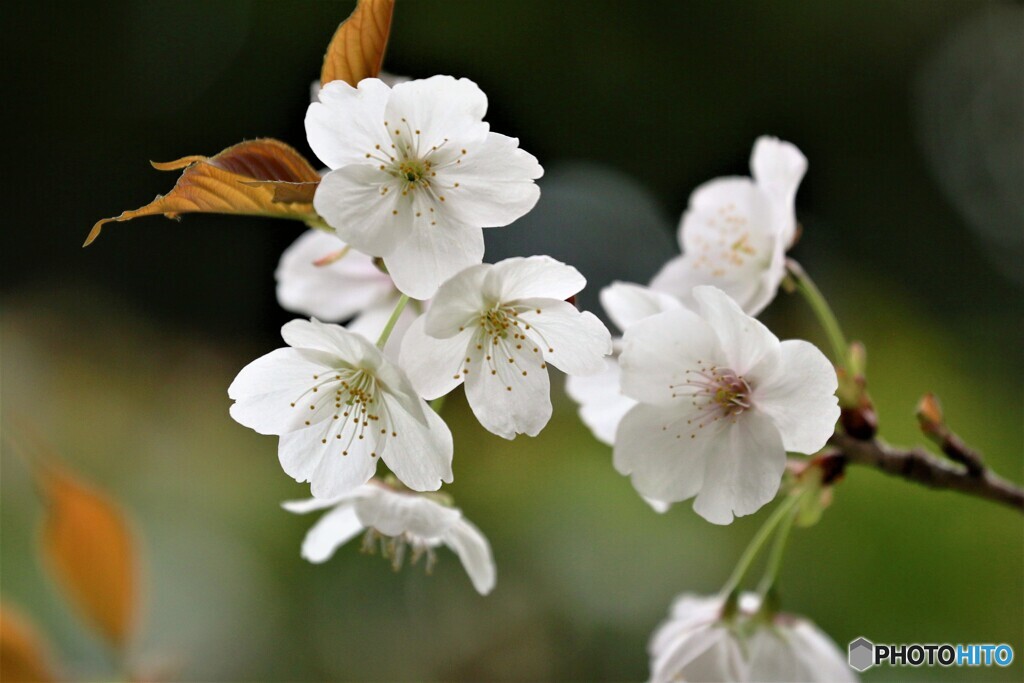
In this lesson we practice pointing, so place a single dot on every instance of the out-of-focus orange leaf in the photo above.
(88, 545)
(23, 656)
(357, 49)
(253, 178)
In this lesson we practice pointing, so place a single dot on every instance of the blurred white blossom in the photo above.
(496, 327)
(416, 173)
(698, 643)
(721, 400)
(736, 231)
(403, 522)
(339, 406)
(321, 276)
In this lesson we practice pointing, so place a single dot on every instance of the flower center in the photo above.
(347, 400)
(717, 393)
(502, 344)
(414, 171)
(412, 159)
(395, 548)
(496, 321)
(730, 245)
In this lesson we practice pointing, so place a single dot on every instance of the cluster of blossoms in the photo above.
(703, 400)
(697, 397)
(700, 400)
(414, 175)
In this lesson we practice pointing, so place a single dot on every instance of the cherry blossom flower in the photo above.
(402, 521)
(339, 406)
(321, 276)
(496, 328)
(416, 173)
(698, 643)
(721, 400)
(736, 231)
(602, 404)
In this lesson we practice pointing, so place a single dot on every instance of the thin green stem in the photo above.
(756, 543)
(437, 404)
(383, 339)
(778, 551)
(818, 304)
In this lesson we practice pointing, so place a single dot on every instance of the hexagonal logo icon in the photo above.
(862, 654)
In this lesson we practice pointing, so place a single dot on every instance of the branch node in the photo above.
(933, 425)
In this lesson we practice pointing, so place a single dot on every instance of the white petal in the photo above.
(393, 513)
(658, 351)
(659, 448)
(333, 292)
(433, 253)
(475, 552)
(434, 365)
(778, 168)
(602, 405)
(744, 340)
(305, 456)
(707, 654)
(504, 399)
(777, 165)
(626, 303)
(347, 122)
(574, 342)
(659, 506)
(800, 397)
(459, 301)
(744, 469)
(265, 389)
(420, 454)
(492, 185)
(330, 532)
(348, 348)
(530, 277)
(307, 505)
(770, 658)
(365, 206)
(820, 661)
(689, 611)
(752, 286)
(439, 107)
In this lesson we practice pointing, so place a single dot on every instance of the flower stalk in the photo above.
(390, 326)
(819, 305)
(778, 551)
(784, 510)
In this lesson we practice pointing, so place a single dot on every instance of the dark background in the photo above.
(911, 114)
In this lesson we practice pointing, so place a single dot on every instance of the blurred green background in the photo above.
(911, 115)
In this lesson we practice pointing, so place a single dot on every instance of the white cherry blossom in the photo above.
(720, 401)
(321, 276)
(602, 403)
(698, 643)
(403, 522)
(735, 232)
(339, 406)
(416, 173)
(496, 328)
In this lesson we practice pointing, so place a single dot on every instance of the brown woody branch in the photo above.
(920, 466)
